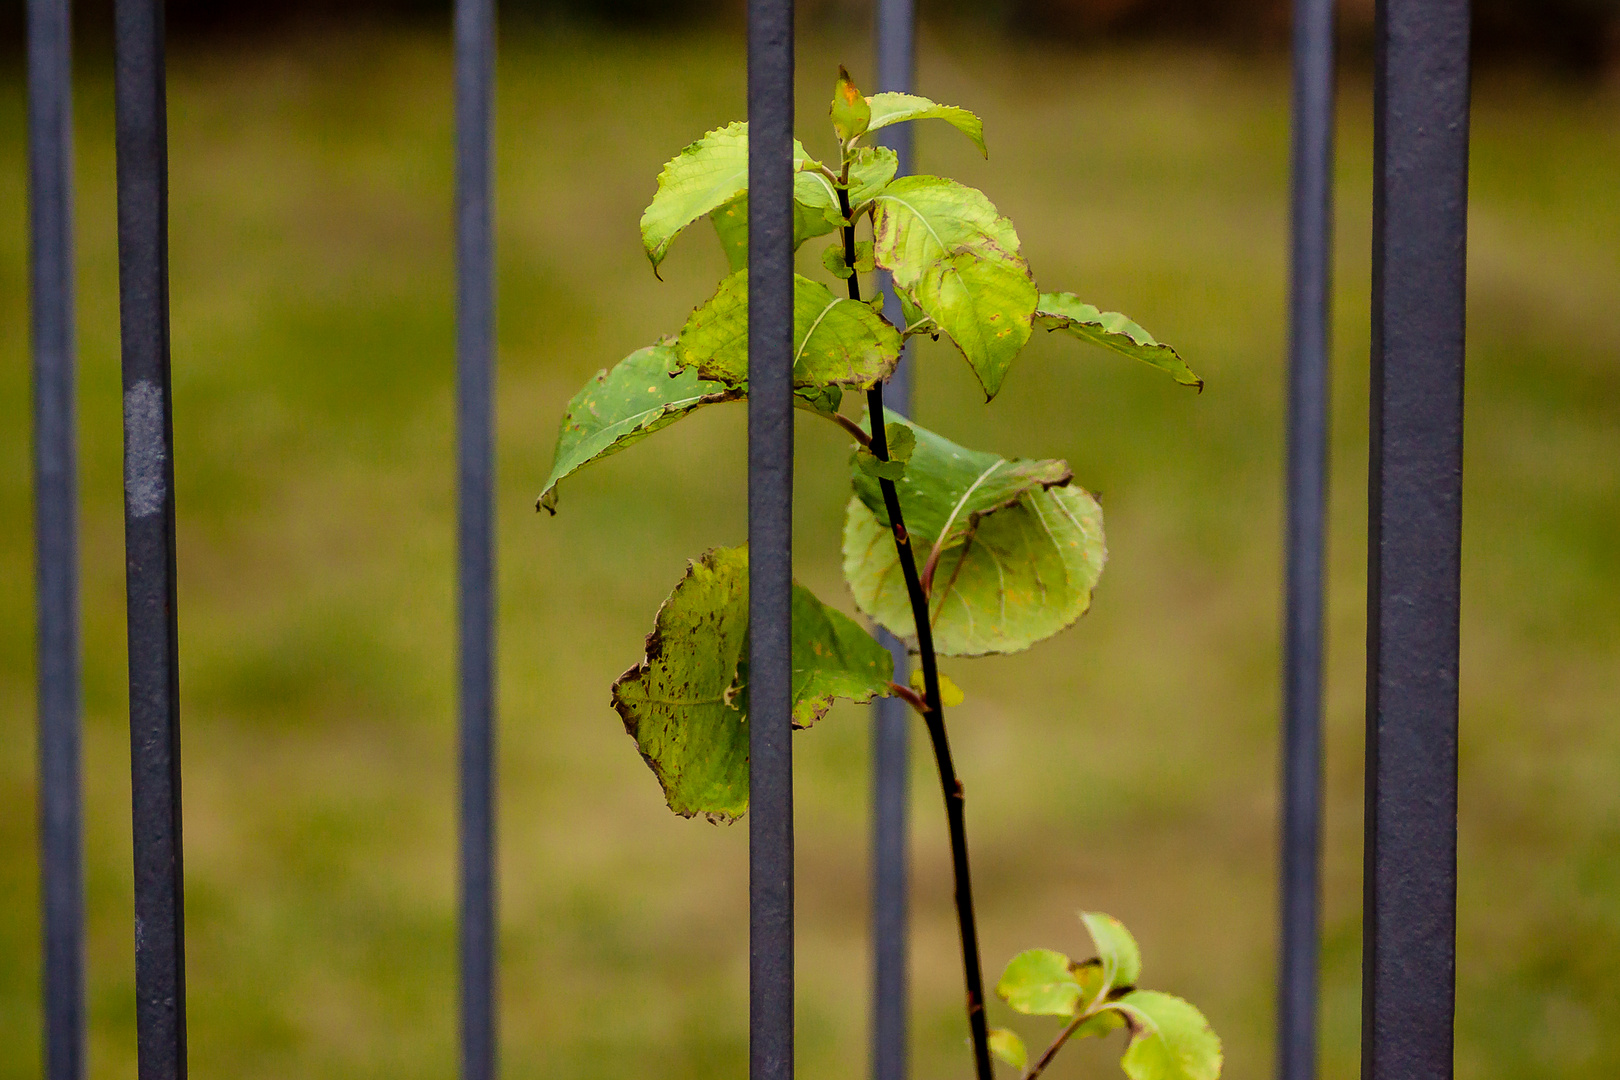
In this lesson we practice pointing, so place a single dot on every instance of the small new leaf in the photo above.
(625, 405)
(833, 258)
(893, 108)
(901, 441)
(1116, 949)
(950, 695)
(850, 111)
(686, 703)
(1113, 331)
(1039, 982)
(1007, 1046)
(869, 464)
(1170, 1039)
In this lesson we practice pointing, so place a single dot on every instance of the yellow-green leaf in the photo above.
(837, 341)
(1170, 1039)
(850, 111)
(960, 262)
(1038, 982)
(1113, 331)
(893, 108)
(1007, 1046)
(641, 394)
(1116, 949)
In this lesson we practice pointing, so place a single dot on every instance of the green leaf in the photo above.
(900, 441)
(707, 175)
(822, 400)
(686, 703)
(1022, 548)
(1170, 1039)
(833, 258)
(950, 695)
(893, 108)
(1038, 982)
(916, 321)
(1007, 1046)
(873, 467)
(1116, 949)
(1113, 331)
(625, 405)
(960, 261)
(837, 341)
(850, 111)
(815, 203)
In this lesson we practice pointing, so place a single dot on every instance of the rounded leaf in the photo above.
(1007, 1046)
(1170, 1039)
(1116, 949)
(1039, 982)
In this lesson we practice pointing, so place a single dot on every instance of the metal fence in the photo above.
(1414, 483)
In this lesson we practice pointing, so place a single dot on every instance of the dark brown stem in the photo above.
(1057, 1044)
(853, 428)
(934, 717)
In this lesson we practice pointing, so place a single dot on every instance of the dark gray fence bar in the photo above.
(56, 531)
(475, 519)
(1420, 213)
(891, 719)
(770, 538)
(154, 707)
(1310, 314)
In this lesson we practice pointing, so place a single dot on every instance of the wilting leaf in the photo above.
(1038, 982)
(686, 704)
(1113, 331)
(1170, 1039)
(625, 405)
(850, 111)
(1116, 949)
(893, 108)
(707, 175)
(837, 341)
(960, 262)
(1007, 1046)
(1023, 548)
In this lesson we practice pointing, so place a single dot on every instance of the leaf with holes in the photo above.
(1039, 982)
(642, 393)
(960, 262)
(686, 703)
(1113, 331)
(1010, 549)
(837, 341)
(1170, 1039)
(894, 108)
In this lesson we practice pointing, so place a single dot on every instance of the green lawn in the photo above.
(1129, 765)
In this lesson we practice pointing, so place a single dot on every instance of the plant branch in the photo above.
(854, 429)
(1057, 1044)
(934, 717)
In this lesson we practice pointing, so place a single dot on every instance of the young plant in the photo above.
(959, 552)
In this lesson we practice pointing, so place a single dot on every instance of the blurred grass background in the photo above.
(1128, 765)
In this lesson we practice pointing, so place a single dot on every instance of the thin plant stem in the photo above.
(934, 717)
(1057, 1044)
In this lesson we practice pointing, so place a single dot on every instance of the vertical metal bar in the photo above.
(154, 707)
(1420, 213)
(475, 460)
(770, 537)
(1310, 313)
(891, 720)
(56, 525)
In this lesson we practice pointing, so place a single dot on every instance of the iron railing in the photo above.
(1420, 212)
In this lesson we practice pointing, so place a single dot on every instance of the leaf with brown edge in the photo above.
(1114, 332)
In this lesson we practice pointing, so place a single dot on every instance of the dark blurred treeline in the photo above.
(1581, 36)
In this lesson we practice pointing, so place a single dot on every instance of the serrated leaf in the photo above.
(1116, 949)
(1170, 1039)
(707, 175)
(893, 108)
(1038, 982)
(833, 259)
(624, 405)
(1113, 331)
(837, 341)
(850, 111)
(1007, 1046)
(1022, 549)
(870, 465)
(961, 264)
(900, 441)
(870, 171)
(822, 400)
(686, 703)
